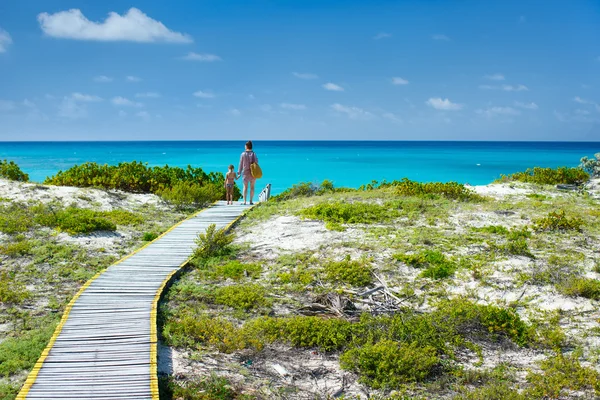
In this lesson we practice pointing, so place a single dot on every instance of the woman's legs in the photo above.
(245, 190)
(252, 182)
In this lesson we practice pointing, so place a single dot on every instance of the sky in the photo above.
(299, 70)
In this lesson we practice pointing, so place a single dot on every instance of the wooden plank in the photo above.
(105, 346)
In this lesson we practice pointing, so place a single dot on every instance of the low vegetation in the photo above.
(11, 171)
(548, 176)
(591, 165)
(190, 187)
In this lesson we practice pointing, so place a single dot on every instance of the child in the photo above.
(229, 182)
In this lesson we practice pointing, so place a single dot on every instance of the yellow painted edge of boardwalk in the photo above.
(40, 362)
(154, 392)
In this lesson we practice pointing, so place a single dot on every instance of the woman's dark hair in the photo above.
(249, 144)
(231, 166)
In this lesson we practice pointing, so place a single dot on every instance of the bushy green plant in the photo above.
(548, 176)
(242, 297)
(591, 165)
(562, 374)
(558, 221)
(495, 229)
(353, 272)
(121, 217)
(305, 189)
(493, 391)
(191, 194)
(11, 171)
(580, 286)
(212, 243)
(449, 190)
(435, 264)
(236, 270)
(17, 248)
(75, 220)
(15, 218)
(136, 177)
(389, 364)
(518, 247)
(11, 290)
(210, 388)
(149, 236)
(345, 213)
(18, 354)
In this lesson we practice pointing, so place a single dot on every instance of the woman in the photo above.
(248, 157)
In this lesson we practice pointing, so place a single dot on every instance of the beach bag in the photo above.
(255, 170)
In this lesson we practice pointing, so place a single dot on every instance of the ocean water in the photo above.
(285, 163)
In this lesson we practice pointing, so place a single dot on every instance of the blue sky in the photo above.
(353, 70)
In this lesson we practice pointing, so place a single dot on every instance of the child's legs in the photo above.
(229, 193)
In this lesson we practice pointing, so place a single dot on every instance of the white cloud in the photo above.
(191, 56)
(527, 106)
(495, 77)
(392, 117)
(352, 112)
(579, 100)
(5, 40)
(133, 79)
(143, 114)
(6, 105)
(518, 88)
(333, 87)
(204, 95)
(506, 88)
(382, 35)
(235, 112)
(103, 79)
(122, 101)
(69, 108)
(148, 95)
(582, 112)
(443, 104)
(493, 111)
(133, 26)
(399, 81)
(440, 37)
(289, 106)
(304, 75)
(85, 98)
(29, 104)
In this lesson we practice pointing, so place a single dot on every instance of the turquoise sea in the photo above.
(285, 163)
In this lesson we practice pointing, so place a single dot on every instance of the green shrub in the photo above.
(191, 331)
(450, 190)
(353, 272)
(493, 391)
(149, 236)
(16, 248)
(582, 287)
(305, 189)
(137, 177)
(9, 390)
(15, 218)
(302, 331)
(558, 221)
(212, 243)
(591, 165)
(344, 213)
(560, 375)
(389, 364)
(75, 220)
(517, 247)
(121, 217)
(495, 229)
(210, 388)
(236, 270)
(11, 171)
(436, 265)
(12, 291)
(548, 176)
(242, 297)
(18, 354)
(191, 194)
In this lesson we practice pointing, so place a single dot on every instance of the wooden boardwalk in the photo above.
(105, 345)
